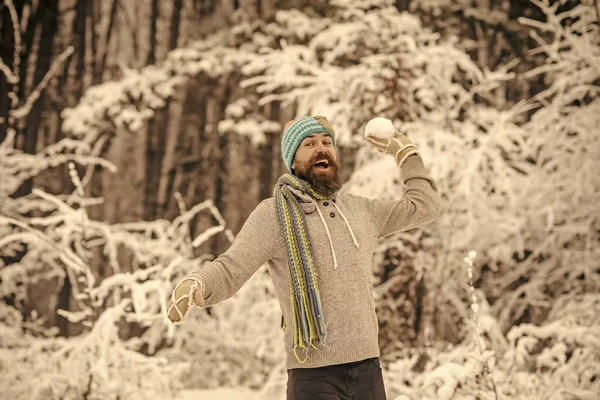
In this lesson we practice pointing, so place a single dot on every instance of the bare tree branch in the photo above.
(13, 95)
(26, 108)
(10, 78)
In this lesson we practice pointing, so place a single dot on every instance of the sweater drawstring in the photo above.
(347, 225)
(335, 264)
(329, 237)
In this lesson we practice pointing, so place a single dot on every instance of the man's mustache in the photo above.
(322, 157)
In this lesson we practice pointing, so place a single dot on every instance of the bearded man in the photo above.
(318, 246)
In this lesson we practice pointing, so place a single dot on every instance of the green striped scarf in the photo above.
(308, 322)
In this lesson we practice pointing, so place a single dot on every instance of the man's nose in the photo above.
(321, 148)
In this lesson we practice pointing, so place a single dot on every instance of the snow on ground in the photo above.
(218, 394)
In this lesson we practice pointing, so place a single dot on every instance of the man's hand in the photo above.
(187, 294)
(381, 133)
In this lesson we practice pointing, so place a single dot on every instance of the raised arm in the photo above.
(224, 276)
(419, 207)
(421, 203)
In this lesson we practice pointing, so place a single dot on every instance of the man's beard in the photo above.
(326, 184)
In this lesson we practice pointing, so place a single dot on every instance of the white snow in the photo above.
(219, 394)
(379, 127)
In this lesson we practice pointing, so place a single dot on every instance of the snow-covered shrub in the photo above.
(558, 197)
(238, 344)
(515, 183)
(96, 364)
(542, 192)
(47, 240)
(557, 360)
(146, 259)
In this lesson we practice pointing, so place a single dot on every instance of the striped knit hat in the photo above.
(297, 130)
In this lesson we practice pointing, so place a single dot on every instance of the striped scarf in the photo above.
(308, 322)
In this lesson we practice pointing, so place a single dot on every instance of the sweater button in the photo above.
(326, 204)
(332, 214)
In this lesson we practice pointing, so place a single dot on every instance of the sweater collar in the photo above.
(309, 204)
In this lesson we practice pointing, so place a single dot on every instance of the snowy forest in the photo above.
(136, 136)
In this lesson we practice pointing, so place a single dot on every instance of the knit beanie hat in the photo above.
(297, 130)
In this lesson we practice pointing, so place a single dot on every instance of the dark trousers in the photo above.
(361, 380)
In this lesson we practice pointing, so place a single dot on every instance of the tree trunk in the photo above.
(80, 32)
(71, 83)
(150, 197)
(171, 131)
(64, 301)
(221, 173)
(109, 32)
(266, 164)
(259, 8)
(124, 202)
(153, 30)
(48, 14)
(175, 23)
(164, 154)
(402, 5)
(92, 39)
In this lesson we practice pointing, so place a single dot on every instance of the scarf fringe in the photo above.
(309, 328)
(296, 348)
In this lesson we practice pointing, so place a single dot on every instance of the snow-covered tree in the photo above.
(47, 241)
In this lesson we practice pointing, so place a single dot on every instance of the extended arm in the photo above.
(223, 277)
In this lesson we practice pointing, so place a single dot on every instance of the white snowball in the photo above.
(381, 128)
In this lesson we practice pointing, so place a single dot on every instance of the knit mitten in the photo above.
(188, 293)
(380, 132)
(398, 145)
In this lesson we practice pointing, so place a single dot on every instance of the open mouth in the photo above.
(321, 164)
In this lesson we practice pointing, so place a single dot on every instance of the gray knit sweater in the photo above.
(346, 290)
